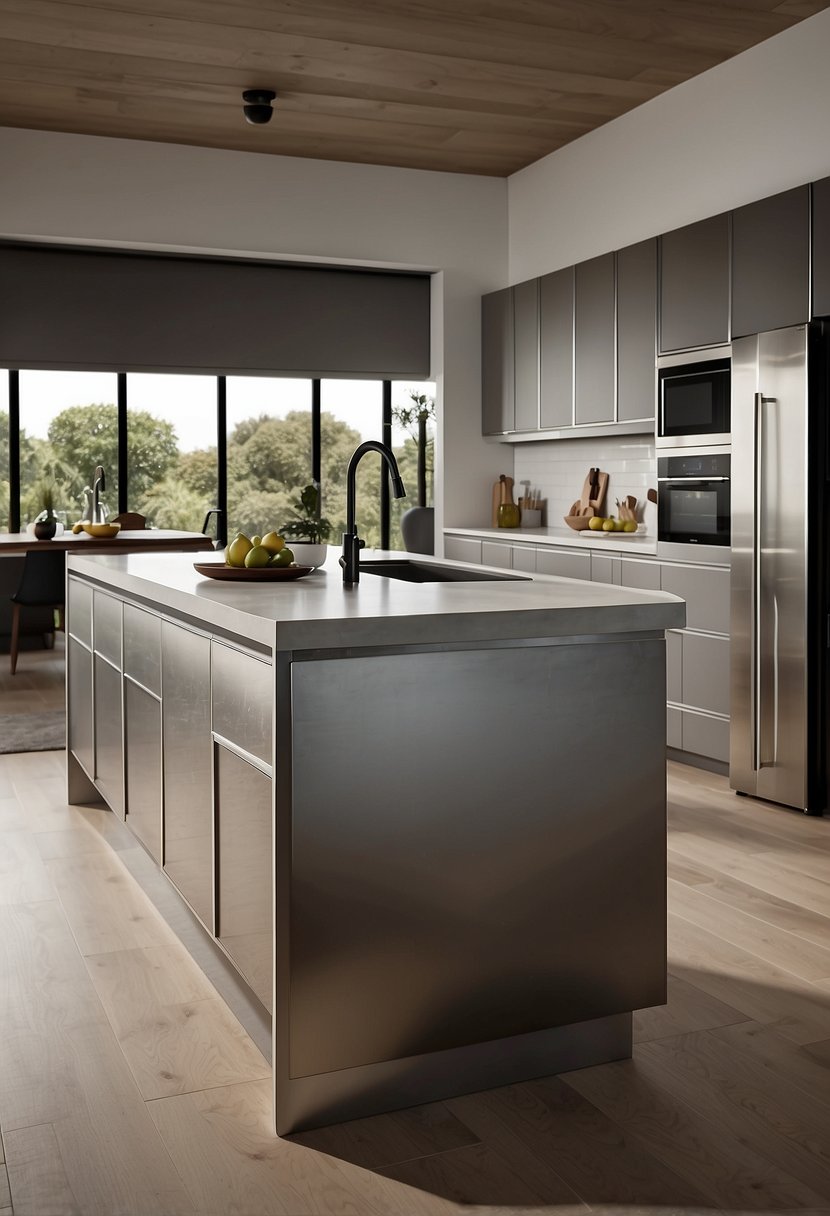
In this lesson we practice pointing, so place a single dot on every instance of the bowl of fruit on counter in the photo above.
(255, 559)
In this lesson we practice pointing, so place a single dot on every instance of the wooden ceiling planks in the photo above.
(472, 86)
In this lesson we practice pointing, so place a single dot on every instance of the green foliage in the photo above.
(308, 524)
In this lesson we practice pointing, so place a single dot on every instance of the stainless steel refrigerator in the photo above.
(780, 624)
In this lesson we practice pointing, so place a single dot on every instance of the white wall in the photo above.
(748, 128)
(126, 192)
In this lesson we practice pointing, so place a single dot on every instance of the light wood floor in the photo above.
(38, 683)
(128, 1088)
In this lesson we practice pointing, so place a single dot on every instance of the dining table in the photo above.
(146, 540)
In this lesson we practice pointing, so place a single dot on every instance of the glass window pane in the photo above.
(352, 410)
(171, 449)
(407, 403)
(5, 503)
(269, 451)
(68, 425)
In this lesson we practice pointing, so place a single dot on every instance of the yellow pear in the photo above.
(238, 550)
(284, 558)
(273, 542)
(256, 541)
(256, 557)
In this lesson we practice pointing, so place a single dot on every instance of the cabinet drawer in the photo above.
(524, 558)
(706, 672)
(142, 733)
(706, 736)
(645, 576)
(109, 747)
(79, 611)
(107, 614)
(674, 667)
(462, 549)
(605, 569)
(706, 592)
(495, 554)
(80, 727)
(566, 565)
(243, 700)
(142, 647)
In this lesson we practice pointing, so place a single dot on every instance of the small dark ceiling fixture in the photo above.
(257, 107)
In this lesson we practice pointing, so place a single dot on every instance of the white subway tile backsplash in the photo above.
(558, 468)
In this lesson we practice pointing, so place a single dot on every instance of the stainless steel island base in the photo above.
(432, 843)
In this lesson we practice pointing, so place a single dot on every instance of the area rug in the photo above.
(41, 732)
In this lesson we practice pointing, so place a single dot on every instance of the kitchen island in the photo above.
(424, 820)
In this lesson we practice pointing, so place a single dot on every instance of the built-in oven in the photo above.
(693, 505)
(693, 402)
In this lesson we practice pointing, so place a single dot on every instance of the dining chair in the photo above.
(130, 521)
(42, 585)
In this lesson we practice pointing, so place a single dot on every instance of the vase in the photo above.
(418, 530)
(308, 554)
(45, 529)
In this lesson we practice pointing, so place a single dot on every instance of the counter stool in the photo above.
(42, 585)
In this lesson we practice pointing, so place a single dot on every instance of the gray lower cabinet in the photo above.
(674, 666)
(188, 758)
(523, 558)
(771, 263)
(556, 349)
(79, 611)
(694, 285)
(142, 735)
(81, 726)
(707, 594)
(706, 673)
(526, 355)
(605, 569)
(142, 647)
(109, 742)
(564, 564)
(493, 553)
(243, 700)
(705, 735)
(644, 576)
(462, 549)
(498, 414)
(244, 911)
(594, 341)
(637, 331)
(107, 615)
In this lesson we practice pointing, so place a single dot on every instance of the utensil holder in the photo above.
(531, 517)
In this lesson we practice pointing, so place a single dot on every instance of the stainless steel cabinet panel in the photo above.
(80, 723)
(565, 564)
(142, 647)
(706, 592)
(188, 758)
(556, 349)
(821, 248)
(526, 343)
(497, 363)
(243, 700)
(645, 576)
(109, 744)
(637, 331)
(79, 611)
(674, 728)
(706, 672)
(495, 554)
(594, 341)
(694, 285)
(771, 263)
(674, 667)
(244, 862)
(605, 569)
(107, 613)
(142, 735)
(523, 558)
(383, 875)
(706, 736)
(462, 549)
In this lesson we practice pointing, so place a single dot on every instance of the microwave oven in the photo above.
(693, 404)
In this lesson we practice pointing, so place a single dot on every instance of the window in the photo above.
(269, 450)
(5, 449)
(172, 472)
(68, 425)
(405, 411)
(351, 411)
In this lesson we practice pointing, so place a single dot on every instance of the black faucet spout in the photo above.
(352, 544)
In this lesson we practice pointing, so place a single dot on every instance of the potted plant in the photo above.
(46, 523)
(418, 523)
(308, 531)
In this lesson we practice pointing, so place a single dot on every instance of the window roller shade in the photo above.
(65, 308)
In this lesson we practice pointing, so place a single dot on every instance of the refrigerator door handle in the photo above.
(757, 648)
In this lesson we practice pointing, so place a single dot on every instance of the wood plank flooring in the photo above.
(127, 1086)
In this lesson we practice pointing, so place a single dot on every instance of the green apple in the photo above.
(256, 557)
(284, 558)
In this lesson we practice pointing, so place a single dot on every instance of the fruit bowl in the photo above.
(250, 574)
(578, 522)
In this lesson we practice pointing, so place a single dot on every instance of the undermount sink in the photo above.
(430, 572)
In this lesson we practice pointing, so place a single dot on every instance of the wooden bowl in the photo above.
(578, 522)
(102, 531)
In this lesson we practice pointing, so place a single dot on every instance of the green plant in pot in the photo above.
(418, 523)
(47, 522)
(308, 530)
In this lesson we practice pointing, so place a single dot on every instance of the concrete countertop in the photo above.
(319, 612)
(632, 543)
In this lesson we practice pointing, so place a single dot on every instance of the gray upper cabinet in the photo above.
(594, 341)
(556, 348)
(526, 355)
(771, 263)
(694, 285)
(498, 414)
(636, 331)
(821, 248)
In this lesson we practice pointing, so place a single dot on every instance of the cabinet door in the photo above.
(694, 285)
(462, 549)
(109, 746)
(495, 554)
(523, 558)
(605, 569)
(556, 349)
(245, 900)
(706, 592)
(243, 700)
(706, 672)
(821, 248)
(79, 611)
(643, 575)
(188, 755)
(704, 735)
(497, 363)
(142, 647)
(637, 331)
(142, 736)
(526, 348)
(565, 565)
(80, 725)
(771, 263)
(594, 341)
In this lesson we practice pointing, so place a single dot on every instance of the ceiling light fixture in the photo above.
(257, 105)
